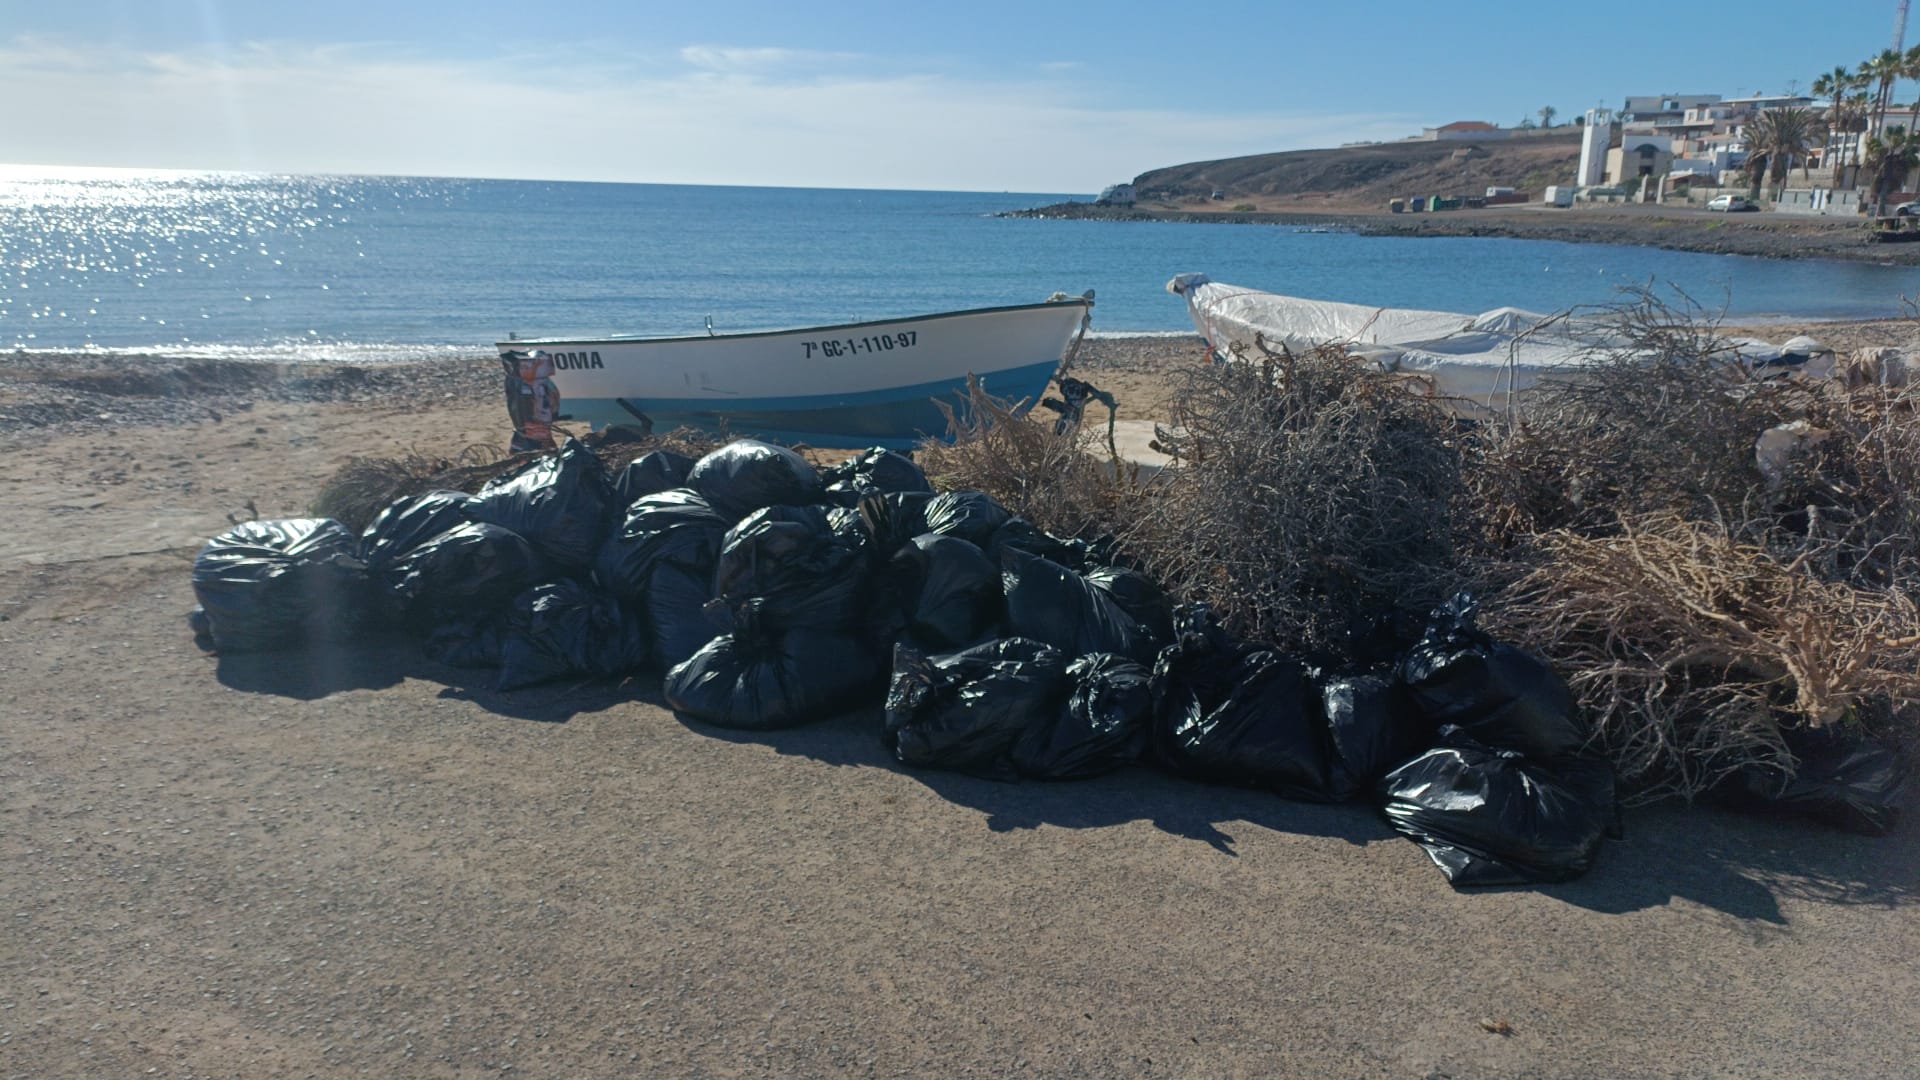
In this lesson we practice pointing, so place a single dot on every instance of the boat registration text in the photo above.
(905, 339)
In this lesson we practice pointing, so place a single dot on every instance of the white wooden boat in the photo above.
(848, 385)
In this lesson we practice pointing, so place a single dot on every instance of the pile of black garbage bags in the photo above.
(771, 594)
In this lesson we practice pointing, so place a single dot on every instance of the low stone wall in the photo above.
(1818, 201)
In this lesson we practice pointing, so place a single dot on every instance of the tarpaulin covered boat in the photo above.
(1471, 357)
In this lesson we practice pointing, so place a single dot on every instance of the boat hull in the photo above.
(852, 385)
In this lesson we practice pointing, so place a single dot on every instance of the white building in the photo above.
(1593, 147)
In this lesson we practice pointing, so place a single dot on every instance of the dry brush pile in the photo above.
(1700, 605)
(1312, 505)
(1621, 526)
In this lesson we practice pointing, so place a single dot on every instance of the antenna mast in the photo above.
(1900, 27)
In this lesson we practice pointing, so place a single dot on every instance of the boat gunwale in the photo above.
(1075, 301)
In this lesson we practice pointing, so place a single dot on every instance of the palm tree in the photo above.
(1891, 155)
(1885, 70)
(1548, 112)
(1856, 121)
(1834, 85)
(1780, 135)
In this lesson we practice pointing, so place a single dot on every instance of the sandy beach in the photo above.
(357, 862)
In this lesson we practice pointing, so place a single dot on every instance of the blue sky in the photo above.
(971, 96)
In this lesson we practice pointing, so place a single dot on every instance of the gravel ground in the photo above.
(356, 862)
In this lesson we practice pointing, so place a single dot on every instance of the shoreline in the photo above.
(1762, 235)
(52, 393)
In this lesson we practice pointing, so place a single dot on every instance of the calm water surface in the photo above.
(376, 268)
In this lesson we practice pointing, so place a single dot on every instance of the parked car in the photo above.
(1907, 209)
(1727, 204)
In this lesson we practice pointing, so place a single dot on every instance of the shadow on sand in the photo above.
(379, 662)
(1737, 864)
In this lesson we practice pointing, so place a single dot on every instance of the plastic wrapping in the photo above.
(650, 474)
(964, 711)
(788, 559)
(949, 592)
(474, 569)
(1048, 602)
(1493, 817)
(1102, 727)
(660, 561)
(407, 523)
(890, 522)
(561, 630)
(560, 503)
(1076, 555)
(677, 526)
(1842, 780)
(874, 472)
(759, 679)
(1246, 717)
(1138, 596)
(1372, 727)
(972, 516)
(465, 643)
(1499, 695)
(267, 585)
(744, 476)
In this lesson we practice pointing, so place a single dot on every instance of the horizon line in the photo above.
(30, 170)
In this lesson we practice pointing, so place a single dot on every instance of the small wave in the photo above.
(281, 352)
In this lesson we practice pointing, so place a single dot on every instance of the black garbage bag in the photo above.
(948, 591)
(1076, 555)
(407, 523)
(1372, 727)
(744, 476)
(472, 569)
(1138, 596)
(789, 560)
(1102, 727)
(964, 711)
(1843, 780)
(562, 630)
(560, 503)
(660, 561)
(268, 585)
(1494, 817)
(1241, 716)
(759, 679)
(472, 642)
(650, 474)
(677, 526)
(678, 623)
(1048, 602)
(1226, 711)
(890, 522)
(1498, 694)
(972, 516)
(875, 472)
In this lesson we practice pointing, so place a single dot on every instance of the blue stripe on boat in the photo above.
(896, 417)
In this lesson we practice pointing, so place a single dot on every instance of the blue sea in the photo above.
(388, 268)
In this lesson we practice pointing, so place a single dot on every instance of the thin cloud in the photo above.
(721, 115)
(762, 62)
